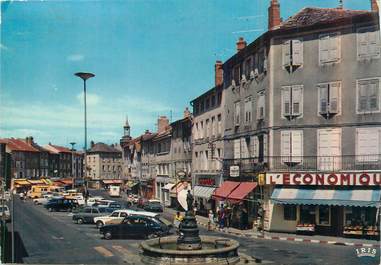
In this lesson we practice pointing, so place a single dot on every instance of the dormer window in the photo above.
(292, 54)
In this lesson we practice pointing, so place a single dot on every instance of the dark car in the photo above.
(108, 204)
(87, 214)
(135, 226)
(153, 207)
(55, 205)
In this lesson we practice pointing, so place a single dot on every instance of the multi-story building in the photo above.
(104, 162)
(63, 156)
(207, 142)
(312, 86)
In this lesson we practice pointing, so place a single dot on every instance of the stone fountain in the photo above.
(189, 247)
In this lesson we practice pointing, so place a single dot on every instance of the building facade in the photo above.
(63, 156)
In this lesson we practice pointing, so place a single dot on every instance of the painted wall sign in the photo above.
(331, 179)
(234, 171)
(205, 181)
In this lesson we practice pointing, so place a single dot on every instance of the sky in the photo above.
(149, 57)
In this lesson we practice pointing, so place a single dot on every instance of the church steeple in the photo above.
(127, 129)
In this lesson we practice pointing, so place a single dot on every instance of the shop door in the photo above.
(337, 222)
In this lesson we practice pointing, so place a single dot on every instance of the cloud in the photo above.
(75, 57)
(91, 99)
(3, 47)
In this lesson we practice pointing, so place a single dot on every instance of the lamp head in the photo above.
(84, 76)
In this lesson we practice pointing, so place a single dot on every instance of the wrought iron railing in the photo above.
(305, 163)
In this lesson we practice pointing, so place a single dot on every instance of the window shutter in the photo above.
(374, 43)
(255, 148)
(323, 98)
(362, 44)
(297, 146)
(297, 52)
(324, 49)
(286, 53)
(329, 149)
(285, 146)
(297, 100)
(236, 147)
(286, 103)
(368, 144)
(362, 96)
(373, 89)
(334, 89)
(334, 49)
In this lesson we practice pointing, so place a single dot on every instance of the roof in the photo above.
(18, 145)
(57, 149)
(310, 16)
(208, 92)
(103, 148)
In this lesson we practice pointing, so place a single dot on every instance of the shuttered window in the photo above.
(329, 98)
(237, 113)
(292, 53)
(368, 95)
(368, 43)
(368, 144)
(291, 146)
(292, 101)
(248, 109)
(261, 106)
(329, 48)
(329, 149)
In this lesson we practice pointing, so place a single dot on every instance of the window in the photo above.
(368, 144)
(236, 74)
(368, 95)
(261, 106)
(237, 110)
(237, 149)
(202, 106)
(195, 108)
(219, 126)
(329, 149)
(329, 98)
(219, 98)
(207, 103)
(213, 101)
(324, 215)
(248, 67)
(292, 54)
(292, 101)
(329, 48)
(248, 105)
(289, 212)
(245, 143)
(207, 128)
(292, 146)
(368, 43)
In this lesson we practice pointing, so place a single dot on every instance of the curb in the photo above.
(294, 239)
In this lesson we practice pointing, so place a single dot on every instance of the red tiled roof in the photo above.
(61, 149)
(18, 145)
(310, 16)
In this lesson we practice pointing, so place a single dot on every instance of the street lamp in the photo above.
(84, 77)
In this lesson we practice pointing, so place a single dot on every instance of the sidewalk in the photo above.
(315, 239)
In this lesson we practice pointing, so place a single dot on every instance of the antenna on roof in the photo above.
(341, 4)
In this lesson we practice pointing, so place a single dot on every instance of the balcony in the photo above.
(306, 163)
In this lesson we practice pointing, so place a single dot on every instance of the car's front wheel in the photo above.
(99, 224)
(107, 235)
(80, 221)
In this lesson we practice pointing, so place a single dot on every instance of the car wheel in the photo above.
(35, 202)
(107, 235)
(80, 221)
(50, 209)
(99, 224)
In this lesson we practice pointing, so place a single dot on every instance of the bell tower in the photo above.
(127, 129)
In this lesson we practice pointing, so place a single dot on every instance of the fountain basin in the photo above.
(215, 250)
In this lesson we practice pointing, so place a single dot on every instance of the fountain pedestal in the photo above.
(189, 238)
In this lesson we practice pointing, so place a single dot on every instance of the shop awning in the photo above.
(168, 186)
(203, 192)
(22, 182)
(241, 191)
(226, 188)
(36, 182)
(353, 197)
(112, 181)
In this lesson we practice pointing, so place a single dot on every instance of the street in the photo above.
(52, 238)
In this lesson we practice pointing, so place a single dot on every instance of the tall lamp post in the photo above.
(84, 77)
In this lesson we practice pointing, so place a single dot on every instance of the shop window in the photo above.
(289, 212)
(307, 214)
(324, 215)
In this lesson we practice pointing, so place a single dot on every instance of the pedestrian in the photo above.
(222, 218)
(228, 213)
(244, 219)
(210, 220)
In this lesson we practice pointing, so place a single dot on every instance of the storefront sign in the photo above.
(206, 181)
(331, 179)
(234, 171)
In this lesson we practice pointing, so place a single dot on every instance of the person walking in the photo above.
(210, 220)
(222, 218)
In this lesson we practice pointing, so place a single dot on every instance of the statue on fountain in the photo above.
(189, 201)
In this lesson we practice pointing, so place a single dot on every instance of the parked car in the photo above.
(87, 214)
(153, 207)
(43, 200)
(61, 204)
(4, 210)
(135, 225)
(116, 217)
(92, 200)
(141, 202)
(7, 195)
(108, 203)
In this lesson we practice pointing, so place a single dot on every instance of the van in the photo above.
(37, 190)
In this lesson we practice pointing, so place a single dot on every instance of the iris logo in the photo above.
(366, 252)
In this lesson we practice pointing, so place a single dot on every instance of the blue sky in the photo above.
(150, 57)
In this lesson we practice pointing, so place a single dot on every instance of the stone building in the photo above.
(62, 155)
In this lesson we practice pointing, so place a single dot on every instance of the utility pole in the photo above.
(72, 164)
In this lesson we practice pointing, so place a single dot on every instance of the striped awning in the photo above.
(203, 192)
(352, 197)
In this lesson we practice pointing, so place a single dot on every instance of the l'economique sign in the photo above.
(331, 179)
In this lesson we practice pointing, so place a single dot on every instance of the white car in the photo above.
(115, 217)
(4, 210)
(92, 200)
(43, 200)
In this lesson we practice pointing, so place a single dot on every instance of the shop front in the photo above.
(347, 206)
(203, 190)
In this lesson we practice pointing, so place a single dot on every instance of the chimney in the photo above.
(147, 132)
(274, 14)
(374, 5)
(186, 113)
(241, 44)
(218, 74)
(29, 140)
(162, 124)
